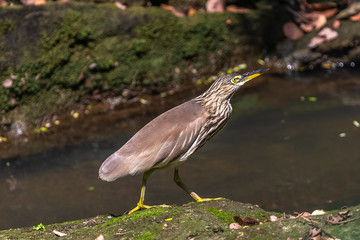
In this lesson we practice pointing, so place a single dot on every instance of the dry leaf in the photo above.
(355, 18)
(172, 9)
(39, 2)
(248, 221)
(120, 5)
(215, 6)
(336, 24)
(316, 41)
(292, 31)
(307, 27)
(234, 226)
(351, 10)
(320, 21)
(235, 9)
(100, 237)
(323, 6)
(191, 12)
(328, 34)
(7, 83)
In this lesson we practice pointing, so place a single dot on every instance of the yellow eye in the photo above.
(236, 79)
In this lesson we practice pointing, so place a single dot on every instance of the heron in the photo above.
(171, 138)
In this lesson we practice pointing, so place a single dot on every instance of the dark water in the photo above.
(281, 150)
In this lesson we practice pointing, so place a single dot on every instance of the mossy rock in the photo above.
(207, 220)
(83, 47)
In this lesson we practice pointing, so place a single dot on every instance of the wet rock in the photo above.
(292, 31)
(351, 10)
(17, 128)
(354, 54)
(306, 55)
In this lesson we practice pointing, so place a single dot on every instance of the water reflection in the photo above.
(280, 150)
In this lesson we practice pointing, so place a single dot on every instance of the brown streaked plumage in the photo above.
(169, 139)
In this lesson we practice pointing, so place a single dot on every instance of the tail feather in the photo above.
(113, 168)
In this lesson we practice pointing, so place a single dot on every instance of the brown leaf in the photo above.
(307, 27)
(320, 21)
(355, 18)
(248, 221)
(238, 220)
(323, 6)
(191, 12)
(100, 237)
(172, 9)
(313, 232)
(336, 24)
(235, 9)
(292, 31)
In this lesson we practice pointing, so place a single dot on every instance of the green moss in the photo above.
(227, 217)
(82, 47)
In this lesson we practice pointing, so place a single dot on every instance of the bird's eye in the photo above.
(236, 79)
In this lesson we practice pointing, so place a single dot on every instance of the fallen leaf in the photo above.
(191, 12)
(320, 21)
(273, 218)
(39, 2)
(172, 9)
(328, 34)
(7, 83)
(307, 27)
(342, 135)
(234, 226)
(248, 221)
(120, 5)
(215, 6)
(235, 9)
(318, 212)
(356, 123)
(313, 232)
(352, 9)
(323, 6)
(355, 18)
(238, 220)
(59, 234)
(316, 41)
(292, 31)
(100, 237)
(336, 24)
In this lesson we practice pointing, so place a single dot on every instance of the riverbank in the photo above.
(222, 219)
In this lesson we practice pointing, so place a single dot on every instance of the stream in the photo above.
(291, 145)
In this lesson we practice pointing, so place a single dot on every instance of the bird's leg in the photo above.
(141, 204)
(180, 183)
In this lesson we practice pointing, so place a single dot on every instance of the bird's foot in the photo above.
(139, 207)
(199, 199)
(208, 199)
(143, 206)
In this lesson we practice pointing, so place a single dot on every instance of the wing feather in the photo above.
(159, 143)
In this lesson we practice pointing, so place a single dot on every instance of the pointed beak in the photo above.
(251, 75)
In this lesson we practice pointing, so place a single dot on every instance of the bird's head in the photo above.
(225, 86)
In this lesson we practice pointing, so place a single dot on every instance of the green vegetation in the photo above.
(67, 51)
(207, 220)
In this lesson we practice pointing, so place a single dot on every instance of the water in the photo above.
(283, 149)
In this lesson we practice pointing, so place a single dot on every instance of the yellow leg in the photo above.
(140, 204)
(180, 183)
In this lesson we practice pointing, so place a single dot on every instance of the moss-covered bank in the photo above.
(55, 54)
(208, 220)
